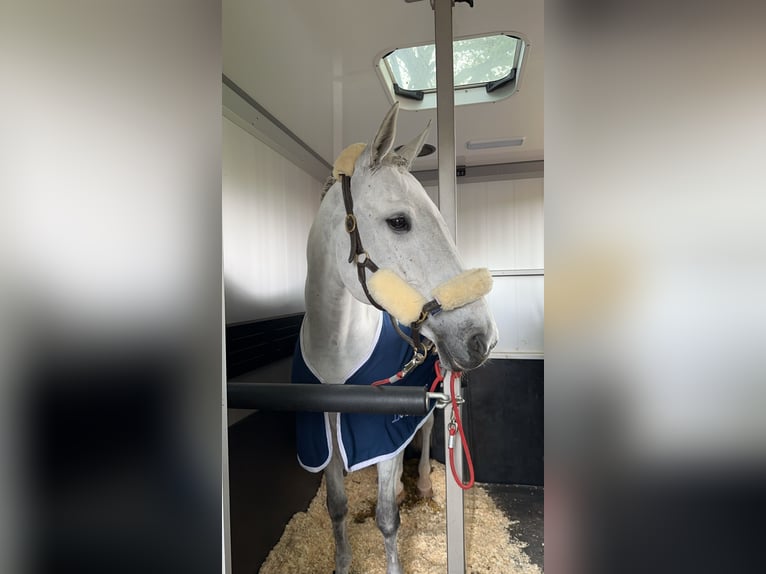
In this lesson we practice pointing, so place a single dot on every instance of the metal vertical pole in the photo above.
(445, 118)
(445, 112)
(455, 515)
(225, 509)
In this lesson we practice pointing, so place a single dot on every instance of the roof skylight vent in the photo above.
(486, 68)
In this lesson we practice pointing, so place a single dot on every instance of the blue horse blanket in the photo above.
(364, 438)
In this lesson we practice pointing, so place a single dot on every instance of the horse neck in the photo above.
(338, 331)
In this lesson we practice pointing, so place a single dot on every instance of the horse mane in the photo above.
(329, 182)
(392, 159)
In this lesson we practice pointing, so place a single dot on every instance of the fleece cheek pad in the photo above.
(396, 296)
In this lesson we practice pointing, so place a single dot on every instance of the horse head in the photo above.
(402, 231)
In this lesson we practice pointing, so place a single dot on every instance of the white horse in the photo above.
(386, 217)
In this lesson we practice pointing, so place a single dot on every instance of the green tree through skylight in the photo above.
(476, 61)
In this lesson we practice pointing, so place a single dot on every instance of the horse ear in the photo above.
(384, 139)
(410, 151)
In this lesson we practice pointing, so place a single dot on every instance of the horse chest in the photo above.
(363, 439)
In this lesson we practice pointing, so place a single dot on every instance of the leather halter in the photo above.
(358, 255)
(357, 252)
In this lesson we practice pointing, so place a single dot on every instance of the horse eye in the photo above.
(399, 223)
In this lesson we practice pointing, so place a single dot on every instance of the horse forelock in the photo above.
(394, 159)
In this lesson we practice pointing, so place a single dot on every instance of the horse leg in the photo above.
(400, 495)
(387, 513)
(424, 466)
(337, 506)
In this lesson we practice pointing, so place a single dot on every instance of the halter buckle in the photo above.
(350, 223)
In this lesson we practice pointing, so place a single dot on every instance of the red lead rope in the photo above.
(455, 427)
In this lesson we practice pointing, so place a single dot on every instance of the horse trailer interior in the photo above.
(285, 285)
(302, 83)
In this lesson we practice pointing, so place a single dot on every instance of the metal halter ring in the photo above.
(350, 223)
(421, 319)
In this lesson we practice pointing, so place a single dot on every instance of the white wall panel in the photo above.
(500, 226)
(528, 224)
(517, 303)
(268, 207)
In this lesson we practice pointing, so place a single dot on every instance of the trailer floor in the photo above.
(524, 504)
(264, 495)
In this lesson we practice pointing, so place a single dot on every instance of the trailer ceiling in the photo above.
(312, 66)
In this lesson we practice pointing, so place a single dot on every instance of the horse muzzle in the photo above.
(464, 335)
(464, 338)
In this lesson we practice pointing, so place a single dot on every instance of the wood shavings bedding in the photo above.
(307, 545)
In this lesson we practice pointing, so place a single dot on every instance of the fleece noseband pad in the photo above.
(463, 289)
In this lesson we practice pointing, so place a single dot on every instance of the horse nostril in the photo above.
(477, 344)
